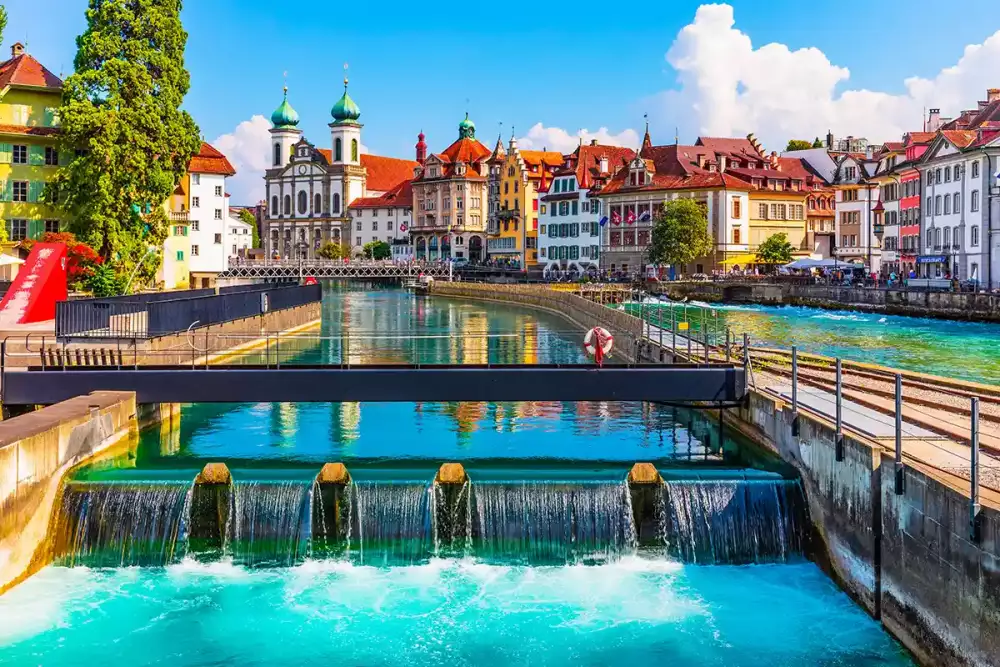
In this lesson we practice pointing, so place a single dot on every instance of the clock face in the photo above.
(302, 169)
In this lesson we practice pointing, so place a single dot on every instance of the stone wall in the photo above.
(580, 312)
(908, 559)
(36, 450)
(948, 305)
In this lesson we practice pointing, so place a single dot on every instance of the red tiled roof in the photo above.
(210, 161)
(31, 131)
(919, 138)
(24, 70)
(587, 162)
(960, 138)
(893, 145)
(384, 173)
(465, 150)
(327, 153)
(729, 146)
(534, 158)
(400, 196)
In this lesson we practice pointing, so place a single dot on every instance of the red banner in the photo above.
(40, 283)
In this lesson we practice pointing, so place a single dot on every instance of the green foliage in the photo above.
(248, 217)
(377, 250)
(331, 250)
(105, 282)
(775, 250)
(121, 113)
(680, 233)
(798, 145)
(3, 22)
(817, 143)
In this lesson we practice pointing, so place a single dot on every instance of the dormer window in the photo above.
(604, 165)
(755, 182)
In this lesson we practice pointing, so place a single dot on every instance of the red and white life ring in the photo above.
(598, 343)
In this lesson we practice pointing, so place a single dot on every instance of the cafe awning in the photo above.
(737, 260)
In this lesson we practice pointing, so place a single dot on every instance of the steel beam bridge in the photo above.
(319, 268)
(395, 383)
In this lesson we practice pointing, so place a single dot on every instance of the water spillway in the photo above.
(283, 523)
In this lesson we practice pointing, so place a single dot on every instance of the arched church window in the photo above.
(354, 150)
(288, 205)
(318, 203)
(277, 155)
(274, 205)
(337, 150)
(336, 203)
(303, 202)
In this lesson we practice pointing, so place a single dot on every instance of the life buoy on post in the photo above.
(598, 343)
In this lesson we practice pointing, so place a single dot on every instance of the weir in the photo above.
(334, 517)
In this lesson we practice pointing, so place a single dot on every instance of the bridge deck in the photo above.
(311, 383)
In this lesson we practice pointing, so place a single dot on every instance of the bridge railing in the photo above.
(161, 314)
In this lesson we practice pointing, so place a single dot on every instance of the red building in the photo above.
(915, 144)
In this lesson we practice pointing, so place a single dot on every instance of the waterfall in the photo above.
(122, 525)
(270, 523)
(549, 522)
(390, 523)
(732, 522)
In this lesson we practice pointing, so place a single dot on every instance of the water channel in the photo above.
(550, 571)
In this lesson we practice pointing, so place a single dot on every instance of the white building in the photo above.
(569, 229)
(209, 216)
(309, 189)
(239, 236)
(384, 218)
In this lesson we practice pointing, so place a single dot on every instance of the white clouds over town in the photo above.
(540, 137)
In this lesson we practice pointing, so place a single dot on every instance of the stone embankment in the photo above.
(912, 557)
(919, 303)
(36, 451)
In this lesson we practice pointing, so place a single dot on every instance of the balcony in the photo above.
(180, 216)
(508, 214)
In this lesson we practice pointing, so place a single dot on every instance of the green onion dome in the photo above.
(284, 116)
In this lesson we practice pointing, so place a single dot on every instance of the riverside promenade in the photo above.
(904, 530)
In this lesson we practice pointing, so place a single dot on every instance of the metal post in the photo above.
(728, 358)
(673, 329)
(704, 342)
(277, 349)
(746, 357)
(795, 390)
(688, 336)
(974, 533)
(900, 479)
(840, 413)
(659, 322)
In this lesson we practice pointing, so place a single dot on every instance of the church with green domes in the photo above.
(310, 190)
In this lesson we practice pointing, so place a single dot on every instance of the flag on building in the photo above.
(604, 221)
(616, 218)
(630, 216)
(644, 217)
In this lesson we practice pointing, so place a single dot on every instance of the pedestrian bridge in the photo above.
(678, 383)
(289, 269)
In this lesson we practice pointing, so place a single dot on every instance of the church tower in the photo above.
(345, 131)
(284, 133)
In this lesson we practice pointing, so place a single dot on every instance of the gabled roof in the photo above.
(960, 138)
(385, 173)
(401, 196)
(210, 161)
(585, 162)
(674, 168)
(536, 158)
(466, 150)
(24, 70)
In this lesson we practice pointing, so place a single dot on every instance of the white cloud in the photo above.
(729, 88)
(557, 139)
(248, 148)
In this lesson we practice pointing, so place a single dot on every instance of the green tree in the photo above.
(680, 233)
(797, 145)
(3, 21)
(817, 143)
(331, 250)
(104, 282)
(121, 115)
(775, 250)
(377, 250)
(248, 217)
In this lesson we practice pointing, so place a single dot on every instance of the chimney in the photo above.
(933, 120)
(17, 50)
(992, 94)
(593, 142)
(829, 140)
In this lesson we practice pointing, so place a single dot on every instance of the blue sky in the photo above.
(413, 66)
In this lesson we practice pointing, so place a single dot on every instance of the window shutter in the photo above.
(6, 153)
(36, 155)
(36, 228)
(5, 194)
(35, 191)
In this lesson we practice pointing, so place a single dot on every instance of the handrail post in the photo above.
(795, 390)
(974, 517)
(840, 412)
(728, 354)
(900, 477)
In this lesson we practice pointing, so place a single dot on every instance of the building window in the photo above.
(218, 238)
(303, 202)
(51, 157)
(937, 205)
(975, 235)
(17, 230)
(975, 168)
(937, 175)
(20, 191)
(336, 203)
(956, 202)
(287, 207)
(180, 255)
(737, 210)
(736, 233)
(947, 204)
(194, 250)
(762, 211)
(357, 241)
(234, 248)
(218, 214)
(218, 190)
(374, 225)
(357, 226)
(947, 174)
(20, 154)
(337, 150)
(318, 203)
(354, 150)
(51, 226)
(274, 205)
(195, 202)
(277, 155)
(195, 226)
(974, 202)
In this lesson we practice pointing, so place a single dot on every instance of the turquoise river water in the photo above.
(553, 572)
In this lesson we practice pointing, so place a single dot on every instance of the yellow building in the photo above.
(175, 268)
(778, 212)
(29, 126)
(522, 174)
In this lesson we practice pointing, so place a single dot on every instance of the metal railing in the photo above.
(164, 313)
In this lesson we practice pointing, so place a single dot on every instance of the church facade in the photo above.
(309, 189)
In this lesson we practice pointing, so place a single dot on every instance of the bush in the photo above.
(104, 282)
(81, 259)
